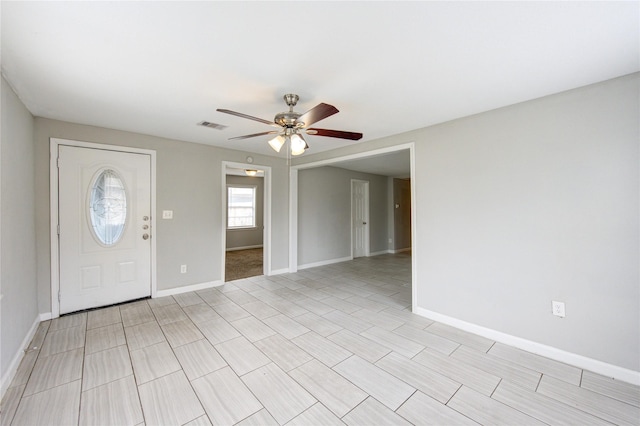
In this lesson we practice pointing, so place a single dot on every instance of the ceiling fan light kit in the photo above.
(291, 123)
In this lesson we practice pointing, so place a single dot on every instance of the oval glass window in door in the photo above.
(108, 207)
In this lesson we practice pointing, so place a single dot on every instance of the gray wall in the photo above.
(188, 182)
(531, 203)
(324, 213)
(401, 214)
(237, 238)
(514, 208)
(19, 305)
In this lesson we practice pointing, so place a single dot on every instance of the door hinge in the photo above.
(58, 162)
(58, 297)
(58, 230)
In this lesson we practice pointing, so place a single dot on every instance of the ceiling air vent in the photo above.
(212, 125)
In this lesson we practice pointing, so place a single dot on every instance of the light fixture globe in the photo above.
(277, 142)
(298, 144)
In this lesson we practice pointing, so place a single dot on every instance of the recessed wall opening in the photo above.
(356, 208)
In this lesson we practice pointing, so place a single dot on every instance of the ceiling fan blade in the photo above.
(272, 132)
(317, 113)
(250, 117)
(335, 134)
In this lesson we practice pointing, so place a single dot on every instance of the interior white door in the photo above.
(104, 214)
(360, 217)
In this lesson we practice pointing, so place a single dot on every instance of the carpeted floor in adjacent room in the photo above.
(243, 264)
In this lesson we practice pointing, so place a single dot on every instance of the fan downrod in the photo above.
(288, 119)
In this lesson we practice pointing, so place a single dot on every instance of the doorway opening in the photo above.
(391, 227)
(246, 201)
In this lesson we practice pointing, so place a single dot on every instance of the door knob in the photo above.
(364, 223)
(145, 236)
(145, 227)
(145, 218)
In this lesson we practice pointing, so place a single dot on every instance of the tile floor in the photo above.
(330, 345)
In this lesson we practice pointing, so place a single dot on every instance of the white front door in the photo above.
(104, 212)
(360, 217)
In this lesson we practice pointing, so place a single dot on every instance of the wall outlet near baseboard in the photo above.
(557, 308)
(183, 269)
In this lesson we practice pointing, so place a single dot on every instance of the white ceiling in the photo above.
(161, 67)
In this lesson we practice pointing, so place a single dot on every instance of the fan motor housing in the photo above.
(288, 119)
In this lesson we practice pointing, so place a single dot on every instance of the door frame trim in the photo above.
(367, 242)
(54, 143)
(266, 215)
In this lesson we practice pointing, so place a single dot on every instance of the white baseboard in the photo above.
(324, 262)
(15, 362)
(46, 316)
(580, 361)
(244, 248)
(402, 250)
(390, 251)
(280, 271)
(188, 288)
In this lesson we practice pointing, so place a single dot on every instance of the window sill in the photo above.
(247, 228)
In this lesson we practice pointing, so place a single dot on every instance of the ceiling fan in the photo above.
(292, 123)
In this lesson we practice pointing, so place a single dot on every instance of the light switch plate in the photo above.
(167, 214)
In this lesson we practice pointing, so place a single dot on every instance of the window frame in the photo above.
(255, 208)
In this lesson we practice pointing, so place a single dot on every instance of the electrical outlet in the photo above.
(183, 269)
(557, 308)
(167, 214)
